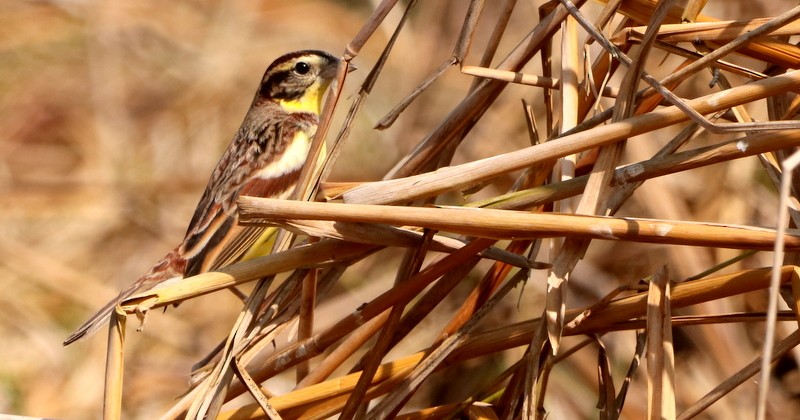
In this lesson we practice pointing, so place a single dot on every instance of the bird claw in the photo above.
(141, 310)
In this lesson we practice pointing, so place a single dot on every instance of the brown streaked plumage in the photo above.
(264, 159)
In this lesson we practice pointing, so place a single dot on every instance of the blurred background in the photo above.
(112, 115)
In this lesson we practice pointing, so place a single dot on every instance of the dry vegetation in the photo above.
(523, 279)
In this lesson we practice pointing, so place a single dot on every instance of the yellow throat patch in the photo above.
(311, 101)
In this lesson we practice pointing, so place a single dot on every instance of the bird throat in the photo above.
(310, 102)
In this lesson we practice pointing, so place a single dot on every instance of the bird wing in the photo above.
(264, 162)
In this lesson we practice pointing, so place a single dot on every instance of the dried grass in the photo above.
(625, 217)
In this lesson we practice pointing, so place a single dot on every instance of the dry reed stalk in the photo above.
(457, 134)
(706, 31)
(507, 224)
(745, 373)
(524, 79)
(780, 53)
(658, 166)
(684, 294)
(442, 180)
(660, 353)
(504, 224)
(317, 254)
(115, 359)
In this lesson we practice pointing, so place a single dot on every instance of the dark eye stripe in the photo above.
(289, 94)
(275, 87)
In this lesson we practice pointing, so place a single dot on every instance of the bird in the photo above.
(264, 159)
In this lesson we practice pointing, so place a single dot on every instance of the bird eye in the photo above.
(301, 68)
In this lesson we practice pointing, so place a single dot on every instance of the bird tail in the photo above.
(172, 266)
(97, 320)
